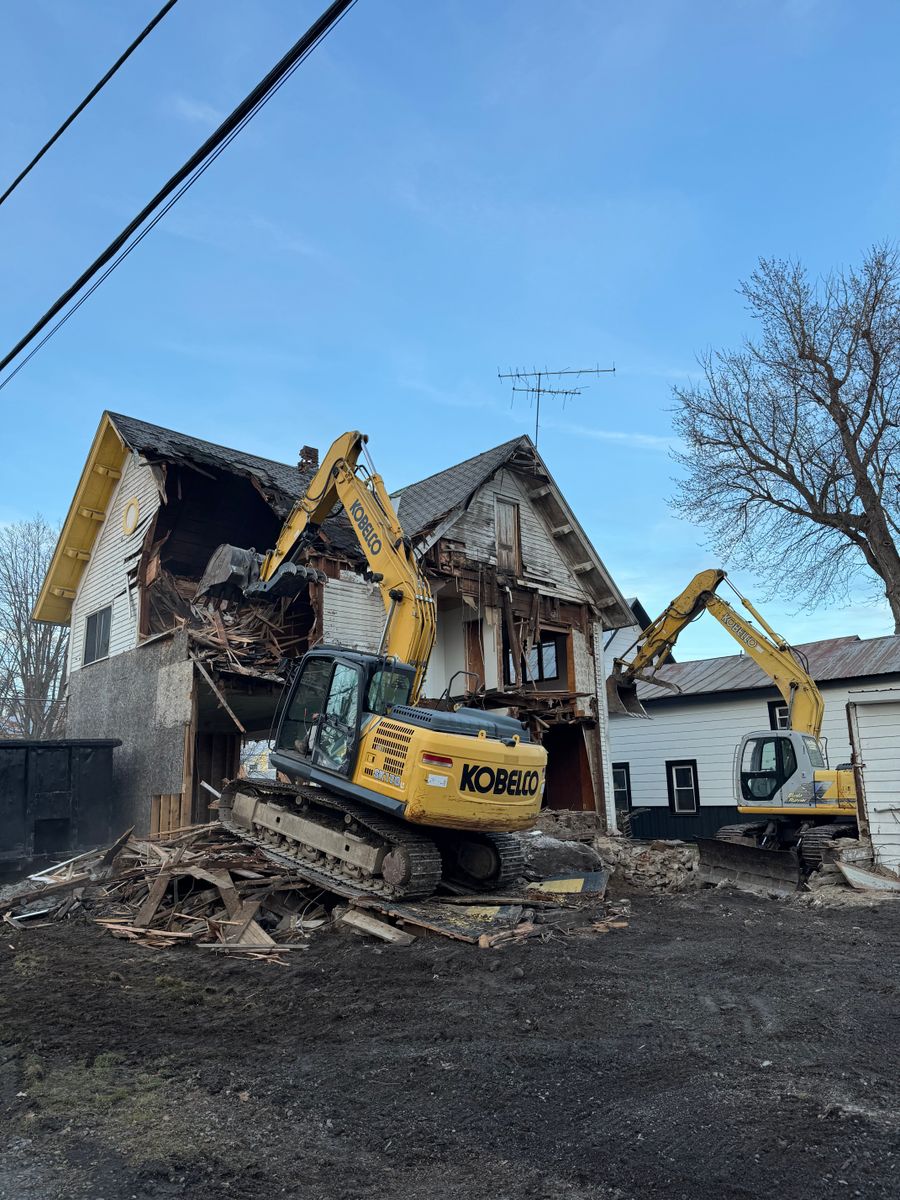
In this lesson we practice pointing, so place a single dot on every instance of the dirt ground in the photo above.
(720, 1046)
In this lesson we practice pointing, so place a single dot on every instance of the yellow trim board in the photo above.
(79, 532)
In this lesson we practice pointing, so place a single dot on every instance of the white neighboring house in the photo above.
(678, 764)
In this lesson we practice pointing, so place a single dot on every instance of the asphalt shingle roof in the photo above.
(420, 506)
(836, 658)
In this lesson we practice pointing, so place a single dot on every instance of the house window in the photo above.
(779, 715)
(684, 792)
(542, 661)
(96, 635)
(621, 774)
(509, 545)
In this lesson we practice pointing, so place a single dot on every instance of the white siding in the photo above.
(876, 717)
(708, 730)
(600, 669)
(105, 579)
(619, 641)
(449, 654)
(542, 562)
(352, 613)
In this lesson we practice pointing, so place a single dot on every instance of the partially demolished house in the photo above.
(523, 603)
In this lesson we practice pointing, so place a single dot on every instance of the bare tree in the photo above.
(32, 655)
(791, 443)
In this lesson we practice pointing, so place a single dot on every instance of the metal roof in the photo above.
(835, 658)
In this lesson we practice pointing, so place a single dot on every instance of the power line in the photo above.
(89, 97)
(184, 178)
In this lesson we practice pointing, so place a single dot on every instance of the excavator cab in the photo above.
(334, 695)
(776, 768)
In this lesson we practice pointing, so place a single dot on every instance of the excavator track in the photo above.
(412, 859)
(815, 841)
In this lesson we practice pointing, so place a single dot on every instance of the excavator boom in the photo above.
(410, 621)
(767, 648)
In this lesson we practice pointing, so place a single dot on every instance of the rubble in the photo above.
(546, 855)
(656, 866)
(204, 887)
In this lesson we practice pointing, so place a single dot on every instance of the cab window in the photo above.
(814, 750)
(766, 765)
(307, 702)
(388, 688)
(336, 738)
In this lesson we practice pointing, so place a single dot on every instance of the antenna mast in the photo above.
(535, 384)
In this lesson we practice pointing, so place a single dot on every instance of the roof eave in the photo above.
(86, 514)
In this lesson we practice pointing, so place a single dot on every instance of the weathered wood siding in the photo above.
(352, 613)
(542, 562)
(113, 563)
(876, 719)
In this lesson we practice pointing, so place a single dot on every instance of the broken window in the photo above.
(621, 773)
(684, 792)
(509, 547)
(96, 635)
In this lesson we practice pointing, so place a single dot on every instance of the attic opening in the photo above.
(205, 508)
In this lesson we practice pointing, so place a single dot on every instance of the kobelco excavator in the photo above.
(384, 796)
(781, 776)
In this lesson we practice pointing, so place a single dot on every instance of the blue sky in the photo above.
(442, 189)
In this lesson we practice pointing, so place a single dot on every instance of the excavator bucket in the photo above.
(228, 574)
(748, 867)
(622, 697)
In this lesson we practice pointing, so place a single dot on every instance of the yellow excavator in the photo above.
(383, 796)
(781, 776)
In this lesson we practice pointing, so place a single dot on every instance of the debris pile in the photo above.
(656, 866)
(250, 638)
(205, 887)
(200, 886)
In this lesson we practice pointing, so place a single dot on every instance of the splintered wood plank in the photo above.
(154, 814)
(380, 929)
(147, 911)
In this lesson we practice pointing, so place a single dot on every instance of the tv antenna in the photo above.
(537, 383)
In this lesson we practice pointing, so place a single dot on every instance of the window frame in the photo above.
(98, 612)
(516, 568)
(626, 767)
(671, 765)
(774, 707)
(558, 641)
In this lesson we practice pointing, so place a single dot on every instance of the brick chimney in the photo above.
(309, 459)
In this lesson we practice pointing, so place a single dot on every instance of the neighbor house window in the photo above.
(541, 663)
(96, 635)
(779, 715)
(621, 774)
(509, 545)
(681, 778)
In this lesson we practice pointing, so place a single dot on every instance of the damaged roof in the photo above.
(422, 506)
(834, 659)
(428, 508)
(281, 484)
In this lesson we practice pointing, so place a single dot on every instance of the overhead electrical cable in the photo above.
(148, 29)
(172, 191)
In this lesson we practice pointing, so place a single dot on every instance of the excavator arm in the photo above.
(767, 648)
(410, 621)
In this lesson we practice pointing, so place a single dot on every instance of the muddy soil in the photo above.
(719, 1047)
